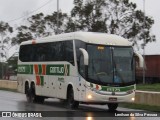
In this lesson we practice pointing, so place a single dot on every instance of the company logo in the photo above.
(56, 69)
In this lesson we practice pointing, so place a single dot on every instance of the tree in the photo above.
(23, 34)
(40, 26)
(51, 23)
(111, 16)
(37, 25)
(5, 29)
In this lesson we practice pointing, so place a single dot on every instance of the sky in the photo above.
(15, 9)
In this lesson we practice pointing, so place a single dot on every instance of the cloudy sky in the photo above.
(15, 9)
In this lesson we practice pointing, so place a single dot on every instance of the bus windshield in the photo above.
(110, 65)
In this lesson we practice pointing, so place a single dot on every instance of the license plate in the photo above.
(112, 99)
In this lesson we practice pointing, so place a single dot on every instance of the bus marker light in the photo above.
(33, 41)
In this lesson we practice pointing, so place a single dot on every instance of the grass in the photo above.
(140, 107)
(149, 87)
(144, 87)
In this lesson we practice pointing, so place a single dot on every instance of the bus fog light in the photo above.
(89, 96)
(133, 99)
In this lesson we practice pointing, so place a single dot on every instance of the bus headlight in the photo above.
(89, 96)
(133, 99)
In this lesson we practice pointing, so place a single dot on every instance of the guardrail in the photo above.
(8, 84)
(147, 97)
(141, 97)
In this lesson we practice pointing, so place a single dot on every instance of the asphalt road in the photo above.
(16, 102)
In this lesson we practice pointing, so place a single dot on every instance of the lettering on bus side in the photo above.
(25, 69)
(21, 69)
(58, 69)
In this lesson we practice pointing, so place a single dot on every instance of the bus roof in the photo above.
(88, 37)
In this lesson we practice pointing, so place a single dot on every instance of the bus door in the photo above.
(61, 86)
(41, 79)
(81, 88)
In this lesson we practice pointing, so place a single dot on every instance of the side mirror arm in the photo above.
(86, 56)
(141, 60)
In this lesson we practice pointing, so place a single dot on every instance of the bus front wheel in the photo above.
(71, 103)
(112, 106)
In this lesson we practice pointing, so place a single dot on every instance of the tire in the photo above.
(32, 97)
(28, 95)
(112, 106)
(71, 103)
(39, 99)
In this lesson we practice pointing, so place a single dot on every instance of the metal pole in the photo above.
(2, 69)
(144, 44)
(1, 56)
(57, 16)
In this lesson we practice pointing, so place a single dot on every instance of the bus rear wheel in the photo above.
(112, 106)
(71, 103)
(28, 94)
(32, 97)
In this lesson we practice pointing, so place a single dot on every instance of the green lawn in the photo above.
(149, 87)
(140, 107)
(144, 87)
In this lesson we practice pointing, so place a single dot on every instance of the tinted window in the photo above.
(55, 51)
(25, 53)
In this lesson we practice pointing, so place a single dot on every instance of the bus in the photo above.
(78, 67)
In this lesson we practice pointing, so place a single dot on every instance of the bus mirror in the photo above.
(140, 58)
(85, 55)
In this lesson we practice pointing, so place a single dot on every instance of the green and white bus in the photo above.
(78, 67)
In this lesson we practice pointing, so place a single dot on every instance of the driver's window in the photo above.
(82, 66)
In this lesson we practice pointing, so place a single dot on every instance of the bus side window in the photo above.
(25, 55)
(69, 52)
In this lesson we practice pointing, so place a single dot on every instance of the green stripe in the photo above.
(39, 69)
(113, 89)
(42, 80)
(122, 89)
(57, 69)
(25, 69)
